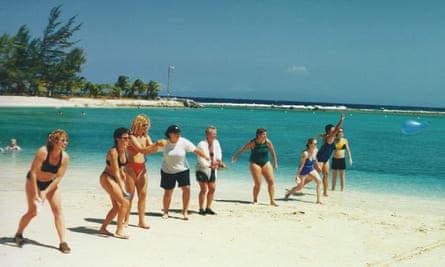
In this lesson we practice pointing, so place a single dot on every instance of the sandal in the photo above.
(64, 248)
(19, 240)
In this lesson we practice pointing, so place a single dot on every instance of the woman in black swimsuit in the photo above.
(112, 180)
(47, 169)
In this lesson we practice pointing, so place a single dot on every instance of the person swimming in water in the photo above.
(13, 146)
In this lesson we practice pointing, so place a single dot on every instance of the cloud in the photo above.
(298, 70)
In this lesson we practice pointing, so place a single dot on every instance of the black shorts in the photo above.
(338, 164)
(168, 180)
(202, 177)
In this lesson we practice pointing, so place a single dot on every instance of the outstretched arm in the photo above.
(242, 150)
(201, 153)
(332, 135)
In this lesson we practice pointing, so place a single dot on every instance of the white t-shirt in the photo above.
(203, 164)
(175, 156)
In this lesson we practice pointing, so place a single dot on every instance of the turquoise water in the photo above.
(385, 160)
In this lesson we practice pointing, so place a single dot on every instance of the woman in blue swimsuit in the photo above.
(307, 170)
(260, 164)
(47, 170)
(326, 150)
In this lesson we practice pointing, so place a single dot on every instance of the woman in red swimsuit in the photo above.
(137, 176)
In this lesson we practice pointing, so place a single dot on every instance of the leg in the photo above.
(166, 200)
(342, 180)
(334, 178)
(325, 171)
(298, 187)
(55, 201)
(255, 170)
(267, 171)
(141, 186)
(29, 215)
(316, 177)
(211, 194)
(120, 206)
(130, 187)
(201, 197)
(185, 200)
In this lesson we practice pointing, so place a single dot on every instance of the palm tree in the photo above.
(152, 89)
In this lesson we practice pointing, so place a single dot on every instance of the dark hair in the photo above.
(172, 129)
(260, 131)
(119, 132)
(310, 141)
(328, 127)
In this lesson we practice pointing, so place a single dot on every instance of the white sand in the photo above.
(298, 232)
(31, 101)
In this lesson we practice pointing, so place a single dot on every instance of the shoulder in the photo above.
(65, 155)
(185, 141)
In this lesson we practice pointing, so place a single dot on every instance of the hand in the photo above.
(161, 142)
(42, 196)
(233, 159)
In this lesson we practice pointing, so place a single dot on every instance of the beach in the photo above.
(298, 232)
(79, 102)
(349, 229)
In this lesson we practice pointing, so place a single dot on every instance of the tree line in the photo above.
(52, 65)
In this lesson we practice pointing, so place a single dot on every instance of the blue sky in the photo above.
(363, 52)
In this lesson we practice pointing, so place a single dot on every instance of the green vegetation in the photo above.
(52, 65)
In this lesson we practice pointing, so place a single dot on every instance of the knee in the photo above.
(186, 189)
(211, 190)
(142, 195)
(32, 213)
(125, 204)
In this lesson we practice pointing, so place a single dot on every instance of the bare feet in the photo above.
(165, 216)
(286, 197)
(319, 202)
(273, 203)
(185, 217)
(121, 235)
(105, 232)
(144, 226)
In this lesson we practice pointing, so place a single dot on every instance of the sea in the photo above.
(386, 161)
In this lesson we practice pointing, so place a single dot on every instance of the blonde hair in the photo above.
(54, 137)
(138, 121)
(210, 128)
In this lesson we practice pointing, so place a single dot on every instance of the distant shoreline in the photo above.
(319, 108)
(78, 102)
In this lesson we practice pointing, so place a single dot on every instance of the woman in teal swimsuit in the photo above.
(260, 164)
